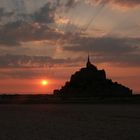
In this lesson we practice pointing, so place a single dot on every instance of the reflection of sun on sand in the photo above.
(44, 82)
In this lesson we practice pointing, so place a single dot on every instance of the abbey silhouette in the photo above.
(91, 82)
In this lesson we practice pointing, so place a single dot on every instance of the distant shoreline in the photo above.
(51, 99)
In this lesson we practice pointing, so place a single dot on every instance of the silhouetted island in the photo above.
(91, 82)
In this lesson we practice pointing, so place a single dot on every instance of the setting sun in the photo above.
(44, 82)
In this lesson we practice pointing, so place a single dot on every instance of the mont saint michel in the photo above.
(91, 82)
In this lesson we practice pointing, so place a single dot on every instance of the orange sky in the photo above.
(126, 76)
(51, 39)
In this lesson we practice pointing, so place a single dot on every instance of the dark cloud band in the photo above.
(25, 61)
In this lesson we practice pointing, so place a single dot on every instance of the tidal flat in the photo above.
(69, 122)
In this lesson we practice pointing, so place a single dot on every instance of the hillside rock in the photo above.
(91, 82)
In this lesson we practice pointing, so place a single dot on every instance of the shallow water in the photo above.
(69, 122)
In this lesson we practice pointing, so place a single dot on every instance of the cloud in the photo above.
(71, 3)
(122, 3)
(38, 26)
(29, 27)
(5, 14)
(127, 3)
(126, 60)
(38, 73)
(104, 44)
(25, 61)
(45, 14)
(108, 49)
(19, 5)
(22, 73)
(13, 34)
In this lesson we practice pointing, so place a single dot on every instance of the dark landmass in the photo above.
(51, 99)
(90, 82)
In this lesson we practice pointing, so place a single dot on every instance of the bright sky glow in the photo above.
(44, 82)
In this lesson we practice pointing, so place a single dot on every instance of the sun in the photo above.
(44, 82)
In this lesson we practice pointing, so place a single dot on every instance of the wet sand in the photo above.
(69, 122)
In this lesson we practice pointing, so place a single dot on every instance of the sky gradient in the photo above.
(50, 39)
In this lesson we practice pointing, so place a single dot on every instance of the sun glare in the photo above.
(44, 82)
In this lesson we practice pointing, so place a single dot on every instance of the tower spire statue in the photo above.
(88, 62)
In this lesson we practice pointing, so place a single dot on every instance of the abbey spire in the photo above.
(88, 62)
(89, 65)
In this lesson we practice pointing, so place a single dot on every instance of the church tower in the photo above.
(88, 62)
(89, 65)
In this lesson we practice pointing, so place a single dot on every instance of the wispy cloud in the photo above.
(29, 27)
(121, 3)
(25, 61)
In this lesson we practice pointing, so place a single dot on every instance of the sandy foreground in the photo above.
(69, 122)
